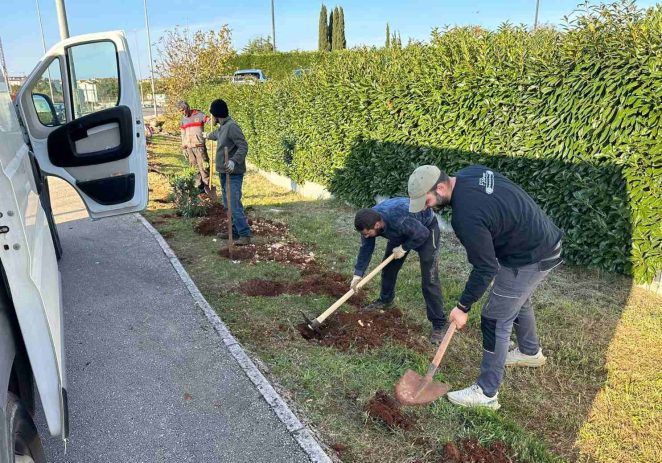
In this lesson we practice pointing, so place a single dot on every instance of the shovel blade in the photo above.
(313, 324)
(414, 389)
(211, 193)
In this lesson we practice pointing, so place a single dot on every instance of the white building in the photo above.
(14, 81)
(88, 91)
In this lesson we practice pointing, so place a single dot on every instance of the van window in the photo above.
(94, 76)
(48, 98)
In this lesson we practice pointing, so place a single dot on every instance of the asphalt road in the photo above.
(149, 380)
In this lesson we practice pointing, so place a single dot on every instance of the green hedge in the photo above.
(573, 116)
(277, 65)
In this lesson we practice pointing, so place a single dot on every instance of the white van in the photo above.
(77, 117)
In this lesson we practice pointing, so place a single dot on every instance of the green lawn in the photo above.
(597, 399)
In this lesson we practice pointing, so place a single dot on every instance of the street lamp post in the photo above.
(273, 24)
(151, 63)
(535, 20)
(43, 44)
(62, 19)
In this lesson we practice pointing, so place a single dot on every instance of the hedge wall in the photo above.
(277, 65)
(573, 117)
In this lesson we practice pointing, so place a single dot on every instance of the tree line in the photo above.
(332, 31)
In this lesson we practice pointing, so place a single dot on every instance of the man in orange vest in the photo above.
(193, 143)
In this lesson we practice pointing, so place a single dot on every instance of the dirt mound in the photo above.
(340, 448)
(216, 222)
(267, 227)
(287, 253)
(470, 451)
(385, 408)
(330, 283)
(364, 330)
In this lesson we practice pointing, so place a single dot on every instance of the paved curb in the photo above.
(299, 432)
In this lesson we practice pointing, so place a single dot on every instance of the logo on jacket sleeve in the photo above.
(487, 180)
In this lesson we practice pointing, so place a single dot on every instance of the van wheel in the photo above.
(23, 437)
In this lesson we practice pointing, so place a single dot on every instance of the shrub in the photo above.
(186, 193)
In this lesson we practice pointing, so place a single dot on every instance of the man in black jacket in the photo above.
(508, 239)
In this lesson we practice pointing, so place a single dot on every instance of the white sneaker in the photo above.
(517, 359)
(473, 397)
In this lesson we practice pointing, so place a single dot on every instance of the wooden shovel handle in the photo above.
(442, 347)
(351, 292)
(228, 201)
(210, 155)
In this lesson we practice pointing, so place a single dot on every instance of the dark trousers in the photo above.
(428, 253)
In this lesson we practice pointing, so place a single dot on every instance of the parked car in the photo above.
(248, 76)
(302, 72)
(60, 111)
(102, 154)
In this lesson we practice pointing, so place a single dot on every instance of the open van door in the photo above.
(81, 115)
(81, 111)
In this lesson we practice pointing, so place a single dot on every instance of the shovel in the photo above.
(228, 201)
(414, 389)
(211, 189)
(317, 322)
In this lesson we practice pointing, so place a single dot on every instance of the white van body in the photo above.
(97, 145)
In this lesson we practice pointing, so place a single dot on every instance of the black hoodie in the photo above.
(499, 224)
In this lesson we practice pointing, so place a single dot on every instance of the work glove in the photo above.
(399, 252)
(355, 281)
(204, 136)
(229, 166)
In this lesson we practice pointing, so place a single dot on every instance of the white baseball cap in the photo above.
(422, 180)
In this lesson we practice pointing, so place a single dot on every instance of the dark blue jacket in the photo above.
(400, 227)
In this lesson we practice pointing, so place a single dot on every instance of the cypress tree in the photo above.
(343, 39)
(388, 36)
(335, 33)
(329, 36)
(323, 38)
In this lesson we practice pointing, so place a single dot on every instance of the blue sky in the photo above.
(296, 20)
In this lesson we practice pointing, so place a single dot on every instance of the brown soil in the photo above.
(330, 283)
(287, 253)
(216, 222)
(339, 448)
(238, 252)
(470, 451)
(364, 330)
(385, 408)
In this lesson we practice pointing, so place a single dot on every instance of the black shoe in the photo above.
(224, 235)
(437, 334)
(378, 305)
(243, 241)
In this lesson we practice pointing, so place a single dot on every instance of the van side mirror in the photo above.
(45, 110)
